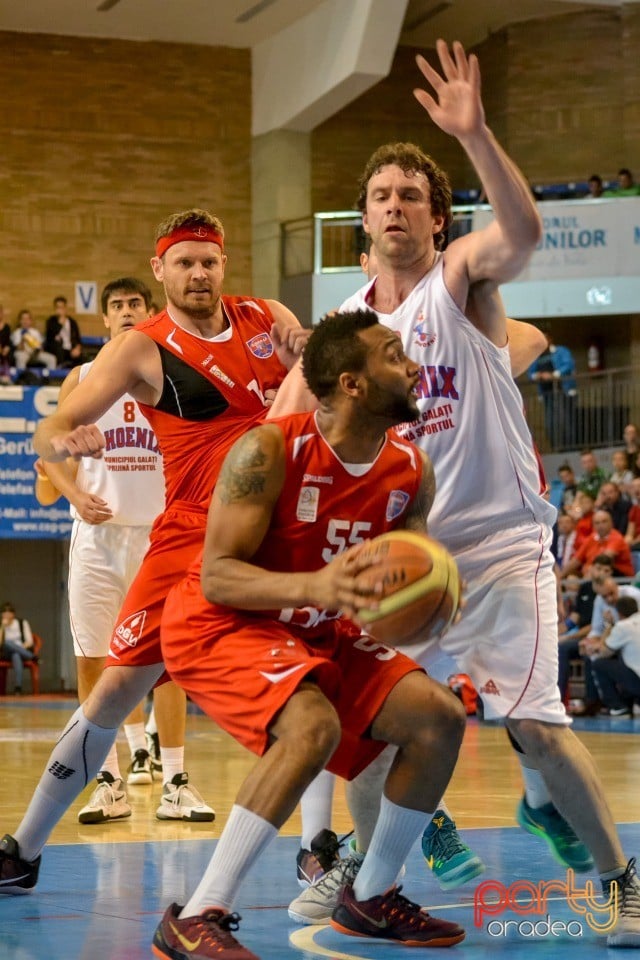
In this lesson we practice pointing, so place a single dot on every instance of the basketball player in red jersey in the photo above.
(265, 650)
(203, 371)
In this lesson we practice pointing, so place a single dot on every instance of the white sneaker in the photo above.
(140, 768)
(626, 932)
(107, 802)
(183, 802)
(317, 902)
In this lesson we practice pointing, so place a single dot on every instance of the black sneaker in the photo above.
(140, 768)
(626, 932)
(393, 917)
(17, 876)
(207, 935)
(312, 864)
(153, 749)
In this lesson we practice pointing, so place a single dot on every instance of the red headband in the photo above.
(201, 234)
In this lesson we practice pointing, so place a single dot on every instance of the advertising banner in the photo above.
(21, 516)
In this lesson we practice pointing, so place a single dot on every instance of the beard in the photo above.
(396, 408)
(197, 309)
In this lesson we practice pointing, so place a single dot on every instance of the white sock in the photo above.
(111, 764)
(76, 759)
(363, 797)
(172, 759)
(243, 839)
(134, 732)
(396, 831)
(315, 807)
(151, 726)
(535, 788)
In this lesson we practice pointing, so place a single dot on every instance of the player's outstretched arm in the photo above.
(501, 250)
(124, 365)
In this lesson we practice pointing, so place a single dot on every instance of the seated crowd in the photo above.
(597, 549)
(26, 350)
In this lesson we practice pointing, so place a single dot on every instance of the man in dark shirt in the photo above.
(576, 627)
(610, 499)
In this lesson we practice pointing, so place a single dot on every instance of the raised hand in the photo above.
(457, 105)
(289, 343)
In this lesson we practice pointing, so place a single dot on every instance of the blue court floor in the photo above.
(103, 901)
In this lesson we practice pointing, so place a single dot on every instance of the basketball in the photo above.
(421, 587)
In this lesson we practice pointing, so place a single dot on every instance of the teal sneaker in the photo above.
(547, 823)
(451, 860)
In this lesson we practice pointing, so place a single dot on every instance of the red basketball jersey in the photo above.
(327, 506)
(213, 392)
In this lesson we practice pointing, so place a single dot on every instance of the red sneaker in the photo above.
(393, 917)
(206, 935)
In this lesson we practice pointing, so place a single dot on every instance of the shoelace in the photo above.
(104, 795)
(629, 890)
(218, 926)
(394, 904)
(184, 792)
(344, 872)
(445, 840)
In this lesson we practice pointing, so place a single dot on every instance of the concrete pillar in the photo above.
(281, 190)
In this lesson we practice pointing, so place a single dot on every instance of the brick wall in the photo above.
(103, 139)
(561, 95)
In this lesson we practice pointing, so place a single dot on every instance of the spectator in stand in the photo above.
(626, 185)
(554, 372)
(610, 499)
(16, 642)
(6, 349)
(604, 539)
(62, 336)
(631, 444)
(569, 485)
(582, 511)
(621, 475)
(617, 669)
(28, 344)
(563, 545)
(595, 187)
(576, 627)
(632, 535)
(593, 476)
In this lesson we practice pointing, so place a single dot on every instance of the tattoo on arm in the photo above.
(419, 511)
(244, 471)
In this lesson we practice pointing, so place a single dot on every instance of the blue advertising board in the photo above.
(21, 516)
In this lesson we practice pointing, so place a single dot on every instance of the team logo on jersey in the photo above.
(261, 346)
(396, 503)
(307, 508)
(423, 337)
(130, 630)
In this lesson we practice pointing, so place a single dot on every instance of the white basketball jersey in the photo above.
(129, 475)
(471, 422)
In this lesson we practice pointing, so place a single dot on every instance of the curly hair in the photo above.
(335, 347)
(188, 218)
(411, 159)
